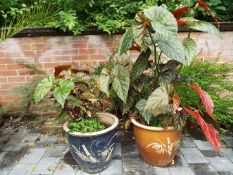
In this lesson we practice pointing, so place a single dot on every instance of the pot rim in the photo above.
(151, 128)
(113, 126)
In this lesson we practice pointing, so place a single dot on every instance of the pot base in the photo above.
(157, 146)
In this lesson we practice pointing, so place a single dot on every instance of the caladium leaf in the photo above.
(190, 50)
(209, 131)
(206, 100)
(104, 81)
(159, 97)
(121, 82)
(140, 65)
(171, 47)
(126, 41)
(204, 27)
(178, 13)
(62, 91)
(43, 88)
(140, 106)
(162, 21)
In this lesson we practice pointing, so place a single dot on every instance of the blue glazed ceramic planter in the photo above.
(93, 151)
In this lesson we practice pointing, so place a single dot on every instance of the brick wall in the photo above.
(82, 51)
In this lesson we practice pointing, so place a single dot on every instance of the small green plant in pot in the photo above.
(147, 90)
(91, 132)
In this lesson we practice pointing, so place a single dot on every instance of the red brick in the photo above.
(8, 85)
(3, 79)
(10, 98)
(88, 51)
(4, 92)
(16, 79)
(97, 57)
(3, 67)
(8, 73)
(4, 103)
(6, 61)
(30, 53)
(23, 72)
(80, 57)
(14, 54)
(61, 58)
(50, 65)
(2, 54)
(14, 66)
(26, 46)
(68, 52)
(80, 45)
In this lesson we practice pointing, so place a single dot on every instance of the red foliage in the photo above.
(207, 9)
(59, 69)
(203, 6)
(176, 103)
(206, 100)
(180, 22)
(209, 131)
(180, 12)
(135, 47)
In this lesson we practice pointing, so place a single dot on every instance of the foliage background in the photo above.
(109, 16)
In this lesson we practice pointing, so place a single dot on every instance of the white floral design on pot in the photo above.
(162, 148)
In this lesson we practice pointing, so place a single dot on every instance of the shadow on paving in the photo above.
(12, 157)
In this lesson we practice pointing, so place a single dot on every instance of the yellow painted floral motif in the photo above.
(162, 148)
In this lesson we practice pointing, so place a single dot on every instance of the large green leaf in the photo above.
(171, 47)
(104, 81)
(162, 21)
(140, 65)
(121, 82)
(63, 90)
(43, 88)
(126, 41)
(140, 106)
(159, 97)
(190, 50)
(204, 27)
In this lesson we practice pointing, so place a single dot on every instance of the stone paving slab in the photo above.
(33, 154)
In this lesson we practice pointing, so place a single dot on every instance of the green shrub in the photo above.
(85, 125)
(109, 16)
(213, 78)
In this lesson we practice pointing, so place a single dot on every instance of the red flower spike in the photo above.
(180, 22)
(180, 12)
(209, 131)
(206, 100)
(135, 47)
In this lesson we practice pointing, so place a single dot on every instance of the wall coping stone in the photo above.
(35, 32)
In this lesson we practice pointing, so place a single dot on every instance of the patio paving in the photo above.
(23, 152)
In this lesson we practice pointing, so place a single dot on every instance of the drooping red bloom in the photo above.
(180, 12)
(209, 131)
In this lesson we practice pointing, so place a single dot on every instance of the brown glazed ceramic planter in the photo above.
(157, 145)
